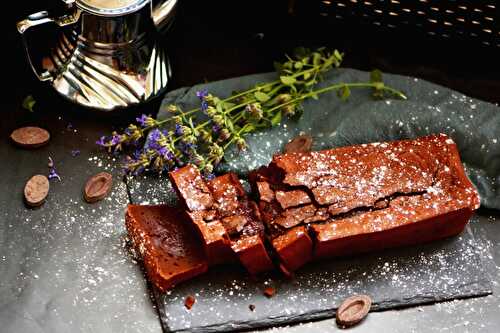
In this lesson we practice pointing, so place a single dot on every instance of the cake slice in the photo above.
(167, 244)
(362, 198)
(228, 222)
(198, 204)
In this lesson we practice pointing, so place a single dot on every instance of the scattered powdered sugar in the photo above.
(76, 263)
(108, 163)
(441, 270)
(151, 190)
(420, 277)
(80, 256)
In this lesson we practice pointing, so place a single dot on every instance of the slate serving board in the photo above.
(439, 271)
(394, 278)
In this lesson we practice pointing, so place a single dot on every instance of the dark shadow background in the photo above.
(212, 40)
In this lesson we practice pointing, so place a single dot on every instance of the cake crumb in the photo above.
(269, 292)
(189, 302)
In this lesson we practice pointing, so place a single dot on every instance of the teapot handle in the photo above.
(162, 12)
(40, 18)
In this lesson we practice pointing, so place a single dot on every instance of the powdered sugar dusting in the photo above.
(77, 265)
(333, 124)
(412, 275)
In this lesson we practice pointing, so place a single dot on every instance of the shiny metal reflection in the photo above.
(106, 61)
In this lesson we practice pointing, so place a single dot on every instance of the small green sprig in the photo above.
(201, 136)
(29, 103)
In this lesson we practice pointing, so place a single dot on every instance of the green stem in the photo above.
(238, 117)
(270, 84)
(232, 139)
(275, 90)
(200, 126)
(230, 98)
(338, 86)
(317, 92)
(253, 100)
(228, 144)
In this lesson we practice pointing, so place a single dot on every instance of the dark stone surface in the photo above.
(399, 278)
(441, 271)
(459, 267)
(64, 266)
(51, 266)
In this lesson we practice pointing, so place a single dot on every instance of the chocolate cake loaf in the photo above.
(311, 205)
(362, 198)
(228, 222)
(167, 243)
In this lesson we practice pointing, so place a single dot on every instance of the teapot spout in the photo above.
(163, 12)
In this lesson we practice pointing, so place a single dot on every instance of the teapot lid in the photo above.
(111, 7)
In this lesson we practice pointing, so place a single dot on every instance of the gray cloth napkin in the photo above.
(430, 108)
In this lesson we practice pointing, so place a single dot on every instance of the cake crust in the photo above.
(311, 206)
(365, 197)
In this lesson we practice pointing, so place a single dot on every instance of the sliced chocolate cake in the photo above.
(360, 198)
(228, 222)
(311, 205)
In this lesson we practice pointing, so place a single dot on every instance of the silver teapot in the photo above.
(108, 54)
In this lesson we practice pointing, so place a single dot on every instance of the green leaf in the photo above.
(307, 75)
(287, 80)
(276, 119)
(376, 76)
(316, 58)
(261, 97)
(314, 96)
(268, 88)
(219, 108)
(310, 83)
(29, 103)
(249, 128)
(344, 93)
(229, 124)
(288, 65)
(379, 85)
(298, 65)
(338, 55)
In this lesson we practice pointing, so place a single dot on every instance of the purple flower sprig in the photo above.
(202, 136)
(52, 170)
(202, 95)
